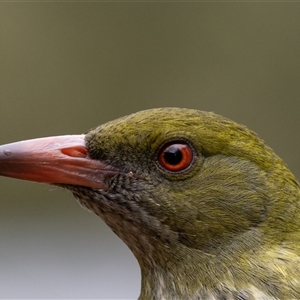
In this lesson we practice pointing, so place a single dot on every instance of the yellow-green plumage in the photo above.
(235, 214)
(226, 227)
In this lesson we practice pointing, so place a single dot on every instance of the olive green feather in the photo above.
(227, 227)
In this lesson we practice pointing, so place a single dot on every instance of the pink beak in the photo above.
(54, 160)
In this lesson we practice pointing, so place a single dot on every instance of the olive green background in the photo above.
(67, 67)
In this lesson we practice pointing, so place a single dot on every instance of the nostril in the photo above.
(75, 151)
(7, 152)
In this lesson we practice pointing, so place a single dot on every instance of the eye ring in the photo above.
(175, 156)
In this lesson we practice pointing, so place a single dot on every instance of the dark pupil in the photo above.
(173, 155)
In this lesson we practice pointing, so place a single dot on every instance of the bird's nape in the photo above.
(209, 211)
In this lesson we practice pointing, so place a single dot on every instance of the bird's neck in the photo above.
(159, 286)
(182, 278)
(180, 273)
(190, 279)
(191, 274)
(186, 273)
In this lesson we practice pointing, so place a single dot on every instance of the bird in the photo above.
(207, 208)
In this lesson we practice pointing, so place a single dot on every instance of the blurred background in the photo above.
(67, 67)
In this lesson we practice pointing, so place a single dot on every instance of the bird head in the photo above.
(197, 198)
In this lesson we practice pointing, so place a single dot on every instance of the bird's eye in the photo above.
(175, 156)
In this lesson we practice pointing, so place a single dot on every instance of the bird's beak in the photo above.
(54, 160)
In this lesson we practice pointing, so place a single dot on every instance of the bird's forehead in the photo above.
(148, 129)
(158, 121)
(208, 132)
(201, 128)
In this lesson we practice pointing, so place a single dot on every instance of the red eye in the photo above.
(175, 156)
